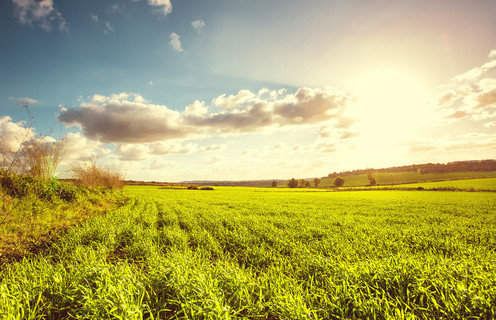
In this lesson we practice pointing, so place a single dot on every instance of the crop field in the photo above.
(263, 254)
(476, 184)
(384, 178)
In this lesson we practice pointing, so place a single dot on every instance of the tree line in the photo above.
(454, 166)
(303, 183)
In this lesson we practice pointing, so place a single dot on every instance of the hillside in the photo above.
(414, 173)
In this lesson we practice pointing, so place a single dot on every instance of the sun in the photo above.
(390, 104)
(390, 108)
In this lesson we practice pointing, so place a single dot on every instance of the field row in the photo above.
(400, 178)
(259, 254)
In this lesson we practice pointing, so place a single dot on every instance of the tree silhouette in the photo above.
(338, 181)
(371, 178)
(293, 183)
(316, 181)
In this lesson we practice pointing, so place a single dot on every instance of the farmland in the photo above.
(259, 254)
(409, 177)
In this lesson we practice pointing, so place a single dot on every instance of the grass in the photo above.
(477, 184)
(396, 178)
(34, 205)
(267, 254)
(36, 222)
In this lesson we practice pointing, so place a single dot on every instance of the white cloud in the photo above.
(492, 54)
(129, 118)
(13, 134)
(163, 7)
(170, 147)
(132, 152)
(125, 118)
(42, 13)
(175, 42)
(109, 27)
(198, 24)
(473, 99)
(78, 147)
(23, 101)
(474, 73)
(239, 100)
(197, 108)
(94, 17)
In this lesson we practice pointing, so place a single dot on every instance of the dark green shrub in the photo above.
(69, 192)
(17, 186)
(338, 181)
(293, 183)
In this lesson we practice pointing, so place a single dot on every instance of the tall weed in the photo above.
(94, 175)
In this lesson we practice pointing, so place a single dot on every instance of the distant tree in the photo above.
(338, 181)
(371, 178)
(316, 181)
(304, 183)
(274, 183)
(293, 183)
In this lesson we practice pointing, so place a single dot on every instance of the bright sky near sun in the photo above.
(235, 90)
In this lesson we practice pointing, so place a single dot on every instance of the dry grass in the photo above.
(93, 175)
(22, 153)
(28, 154)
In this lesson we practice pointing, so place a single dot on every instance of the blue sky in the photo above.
(179, 90)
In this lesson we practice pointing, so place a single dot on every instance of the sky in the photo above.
(166, 90)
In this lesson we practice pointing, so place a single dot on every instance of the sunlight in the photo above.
(391, 105)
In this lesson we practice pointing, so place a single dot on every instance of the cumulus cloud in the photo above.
(41, 13)
(163, 7)
(132, 152)
(78, 147)
(246, 111)
(197, 108)
(129, 118)
(175, 42)
(242, 98)
(198, 24)
(471, 97)
(486, 95)
(476, 72)
(170, 147)
(135, 152)
(125, 118)
(13, 134)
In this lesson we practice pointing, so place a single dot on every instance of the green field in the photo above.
(384, 178)
(258, 254)
(477, 184)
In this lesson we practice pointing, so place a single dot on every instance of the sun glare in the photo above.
(390, 105)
